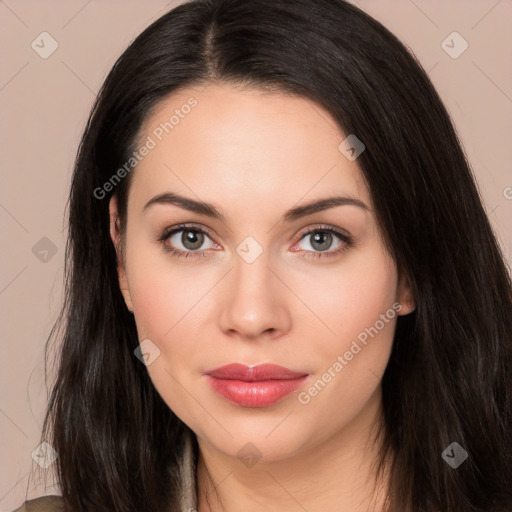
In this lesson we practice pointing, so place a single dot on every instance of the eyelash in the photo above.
(346, 240)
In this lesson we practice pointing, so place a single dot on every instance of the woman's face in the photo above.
(257, 278)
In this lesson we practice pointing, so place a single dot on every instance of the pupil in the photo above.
(318, 237)
(192, 239)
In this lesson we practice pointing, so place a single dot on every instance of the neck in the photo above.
(339, 473)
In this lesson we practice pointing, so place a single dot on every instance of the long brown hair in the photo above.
(449, 375)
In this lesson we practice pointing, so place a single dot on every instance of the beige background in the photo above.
(45, 103)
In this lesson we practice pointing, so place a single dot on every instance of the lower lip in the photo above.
(255, 394)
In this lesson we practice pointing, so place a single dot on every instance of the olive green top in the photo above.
(185, 473)
(43, 504)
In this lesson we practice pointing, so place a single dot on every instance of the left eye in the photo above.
(322, 239)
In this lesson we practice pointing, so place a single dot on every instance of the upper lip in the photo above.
(261, 372)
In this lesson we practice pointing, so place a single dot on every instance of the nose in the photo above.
(255, 304)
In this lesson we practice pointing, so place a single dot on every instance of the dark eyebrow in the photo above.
(185, 202)
(209, 210)
(320, 205)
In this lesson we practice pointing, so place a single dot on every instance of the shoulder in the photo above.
(43, 504)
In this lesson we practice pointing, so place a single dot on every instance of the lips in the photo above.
(255, 373)
(257, 386)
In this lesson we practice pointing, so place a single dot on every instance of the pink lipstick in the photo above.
(257, 386)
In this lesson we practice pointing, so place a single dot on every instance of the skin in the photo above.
(254, 155)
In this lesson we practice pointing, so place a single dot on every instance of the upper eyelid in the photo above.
(324, 227)
(181, 227)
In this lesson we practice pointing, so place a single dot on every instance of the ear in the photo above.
(405, 296)
(115, 235)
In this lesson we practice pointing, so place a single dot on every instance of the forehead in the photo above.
(228, 145)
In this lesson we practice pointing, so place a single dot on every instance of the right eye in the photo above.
(185, 241)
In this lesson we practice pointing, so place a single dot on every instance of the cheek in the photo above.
(351, 297)
(164, 291)
(171, 304)
(358, 303)
(168, 305)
